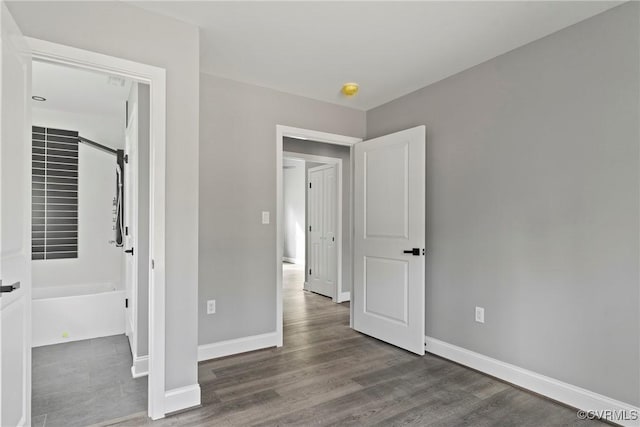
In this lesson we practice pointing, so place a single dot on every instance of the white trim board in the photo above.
(549, 387)
(317, 136)
(292, 155)
(344, 296)
(140, 367)
(155, 77)
(182, 398)
(293, 260)
(236, 346)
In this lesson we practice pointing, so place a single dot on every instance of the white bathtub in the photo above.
(78, 312)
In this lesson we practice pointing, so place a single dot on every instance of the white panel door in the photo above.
(389, 213)
(131, 221)
(322, 206)
(314, 216)
(15, 225)
(329, 229)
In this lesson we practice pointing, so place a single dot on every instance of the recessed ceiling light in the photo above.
(116, 81)
(38, 98)
(350, 89)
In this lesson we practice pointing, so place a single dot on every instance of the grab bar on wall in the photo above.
(97, 145)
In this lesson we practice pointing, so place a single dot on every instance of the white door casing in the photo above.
(15, 224)
(156, 78)
(389, 219)
(322, 207)
(281, 133)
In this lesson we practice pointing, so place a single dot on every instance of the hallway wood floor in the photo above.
(328, 374)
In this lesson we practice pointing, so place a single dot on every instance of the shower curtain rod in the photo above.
(98, 146)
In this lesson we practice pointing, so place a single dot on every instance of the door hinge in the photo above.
(126, 303)
(309, 272)
(126, 231)
(153, 264)
(126, 158)
(309, 228)
(309, 185)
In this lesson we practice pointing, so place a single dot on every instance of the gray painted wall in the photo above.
(121, 30)
(293, 194)
(142, 309)
(340, 152)
(532, 203)
(237, 182)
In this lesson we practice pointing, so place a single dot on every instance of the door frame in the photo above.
(340, 296)
(155, 77)
(305, 134)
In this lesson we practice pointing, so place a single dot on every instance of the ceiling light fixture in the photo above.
(350, 89)
(116, 81)
(38, 98)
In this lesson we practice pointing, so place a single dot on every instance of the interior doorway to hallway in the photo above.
(314, 213)
(313, 223)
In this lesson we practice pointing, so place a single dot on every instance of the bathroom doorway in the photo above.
(90, 232)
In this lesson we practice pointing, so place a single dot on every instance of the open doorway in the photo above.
(314, 220)
(90, 191)
(294, 249)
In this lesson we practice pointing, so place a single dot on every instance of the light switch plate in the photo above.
(480, 314)
(211, 306)
(265, 217)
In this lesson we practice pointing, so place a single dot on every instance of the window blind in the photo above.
(54, 193)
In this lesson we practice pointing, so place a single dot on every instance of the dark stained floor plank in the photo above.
(328, 374)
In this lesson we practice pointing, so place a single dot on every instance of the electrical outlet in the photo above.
(265, 217)
(480, 314)
(211, 306)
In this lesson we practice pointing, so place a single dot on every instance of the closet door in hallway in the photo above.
(322, 214)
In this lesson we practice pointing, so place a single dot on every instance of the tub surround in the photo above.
(98, 261)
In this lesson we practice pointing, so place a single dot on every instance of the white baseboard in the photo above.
(292, 260)
(235, 346)
(181, 398)
(140, 366)
(344, 296)
(568, 394)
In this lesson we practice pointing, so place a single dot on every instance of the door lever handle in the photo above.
(129, 251)
(9, 288)
(414, 251)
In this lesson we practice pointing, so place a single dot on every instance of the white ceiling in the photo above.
(389, 48)
(76, 90)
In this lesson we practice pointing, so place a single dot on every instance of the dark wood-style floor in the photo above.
(328, 374)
